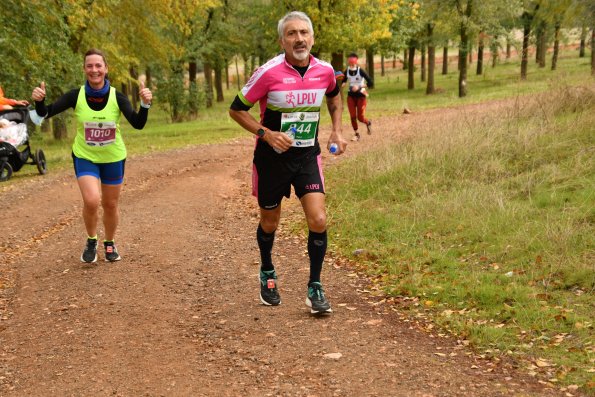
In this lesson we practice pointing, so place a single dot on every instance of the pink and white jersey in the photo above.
(288, 100)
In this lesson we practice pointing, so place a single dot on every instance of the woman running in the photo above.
(98, 151)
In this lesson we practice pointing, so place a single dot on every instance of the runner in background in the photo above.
(358, 81)
(290, 89)
(98, 151)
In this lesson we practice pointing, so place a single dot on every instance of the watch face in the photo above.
(260, 132)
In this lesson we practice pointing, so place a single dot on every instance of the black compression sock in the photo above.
(316, 251)
(265, 244)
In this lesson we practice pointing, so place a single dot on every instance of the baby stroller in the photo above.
(13, 134)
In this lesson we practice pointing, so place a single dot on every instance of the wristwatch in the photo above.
(260, 132)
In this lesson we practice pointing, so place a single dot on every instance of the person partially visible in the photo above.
(358, 81)
(339, 77)
(98, 150)
(291, 89)
(7, 103)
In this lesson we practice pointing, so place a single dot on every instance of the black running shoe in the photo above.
(369, 126)
(90, 253)
(316, 300)
(111, 253)
(268, 288)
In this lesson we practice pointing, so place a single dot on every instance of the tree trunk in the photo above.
(470, 54)
(59, 126)
(192, 70)
(538, 34)
(581, 50)
(405, 59)
(382, 64)
(542, 45)
(246, 68)
(219, 82)
(370, 62)
(411, 67)
(237, 73)
(494, 50)
(394, 61)
(227, 74)
(463, 62)
(508, 47)
(208, 84)
(525, 50)
(337, 60)
(423, 63)
(556, 45)
(134, 87)
(431, 60)
(593, 51)
(193, 104)
(479, 70)
(177, 99)
(445, 60)
(148, 77)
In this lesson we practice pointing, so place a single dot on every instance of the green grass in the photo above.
(489, 223)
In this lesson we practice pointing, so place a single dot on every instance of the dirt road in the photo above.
(180, 314)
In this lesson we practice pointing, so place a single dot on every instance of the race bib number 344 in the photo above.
(304, 124)
(100, 134)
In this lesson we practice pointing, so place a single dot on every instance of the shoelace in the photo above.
(317, 293)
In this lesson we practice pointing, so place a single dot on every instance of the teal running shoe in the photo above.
(269, 295)
(316, 300)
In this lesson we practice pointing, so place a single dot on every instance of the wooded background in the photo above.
(171, 42)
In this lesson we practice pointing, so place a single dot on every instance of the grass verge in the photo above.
(488, 223)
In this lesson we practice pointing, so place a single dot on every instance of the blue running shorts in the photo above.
(108, 173)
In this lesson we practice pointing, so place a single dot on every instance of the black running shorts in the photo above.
(273, 176)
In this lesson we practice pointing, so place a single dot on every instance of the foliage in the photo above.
(34, 36)
(169, 33)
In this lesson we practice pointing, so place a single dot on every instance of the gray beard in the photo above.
(301, 56)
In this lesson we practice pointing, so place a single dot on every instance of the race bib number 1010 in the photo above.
(100, 134)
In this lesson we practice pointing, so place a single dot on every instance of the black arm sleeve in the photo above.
(368, 79)
(136, 120)
(237, 104)
(334, 92)
(66, 101)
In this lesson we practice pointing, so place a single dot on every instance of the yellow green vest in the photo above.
(85, 116)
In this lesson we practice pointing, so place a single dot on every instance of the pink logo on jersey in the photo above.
(289, 99)
(306, 98)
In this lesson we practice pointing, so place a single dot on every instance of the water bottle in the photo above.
(334, 148)
(290, 133)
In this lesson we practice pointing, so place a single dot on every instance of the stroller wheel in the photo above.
(42, 166)
(5, 171)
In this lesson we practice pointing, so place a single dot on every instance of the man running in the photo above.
(357, 94)
(290, 89)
